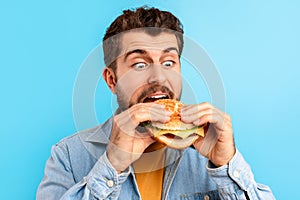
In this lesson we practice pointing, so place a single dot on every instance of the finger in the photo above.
(219, 121)
(158, 113)
(193, 112)
(128, 120)
(194, 108)
(150, 113)
(151, 106)
(190, 117)
(190, 109)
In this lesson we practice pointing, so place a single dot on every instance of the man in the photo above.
(119, 159)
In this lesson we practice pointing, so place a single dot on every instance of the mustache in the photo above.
(155, 88)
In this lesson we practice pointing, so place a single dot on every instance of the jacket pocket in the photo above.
(209, 195)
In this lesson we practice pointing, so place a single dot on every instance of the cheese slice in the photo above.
(179, 133)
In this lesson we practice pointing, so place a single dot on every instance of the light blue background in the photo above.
(254, 44)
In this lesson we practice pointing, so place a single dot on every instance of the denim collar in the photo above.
(101, 133)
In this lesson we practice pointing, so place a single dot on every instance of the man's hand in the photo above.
(126, 143)
(215, 122)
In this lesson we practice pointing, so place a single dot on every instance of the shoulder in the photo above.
(97, 134)
(86, 140)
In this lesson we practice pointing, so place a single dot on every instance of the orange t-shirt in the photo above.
(149, 174)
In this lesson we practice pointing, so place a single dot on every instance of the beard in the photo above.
(140, 95)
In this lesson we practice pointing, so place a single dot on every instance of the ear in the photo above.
(110, 78)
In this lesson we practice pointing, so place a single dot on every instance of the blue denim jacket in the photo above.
(79, 169)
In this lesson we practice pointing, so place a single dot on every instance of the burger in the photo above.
(175, 133)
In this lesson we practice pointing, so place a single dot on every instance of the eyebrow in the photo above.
(167, 50)
(138, 51)
(143, 52)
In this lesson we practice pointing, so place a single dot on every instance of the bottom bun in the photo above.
(177, 142)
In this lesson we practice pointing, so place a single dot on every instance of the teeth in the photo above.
(158, 96)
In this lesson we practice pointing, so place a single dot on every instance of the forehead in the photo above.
(141, 40)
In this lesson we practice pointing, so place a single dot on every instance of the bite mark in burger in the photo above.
(175, 133)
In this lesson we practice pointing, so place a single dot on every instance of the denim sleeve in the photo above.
(236, 181)
(102, 182)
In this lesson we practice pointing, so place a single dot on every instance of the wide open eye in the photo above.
(140, 66)
(168, 63)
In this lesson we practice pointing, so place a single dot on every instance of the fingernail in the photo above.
(168, 118)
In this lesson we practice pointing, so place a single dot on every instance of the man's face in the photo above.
(147, 69)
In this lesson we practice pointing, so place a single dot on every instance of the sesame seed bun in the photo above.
(175, 133)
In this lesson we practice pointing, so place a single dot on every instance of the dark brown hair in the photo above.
(154, 20)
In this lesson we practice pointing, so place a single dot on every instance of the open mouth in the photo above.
(155, 97)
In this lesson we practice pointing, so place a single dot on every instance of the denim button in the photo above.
(206, 197)
(110, 183)
(236, 174)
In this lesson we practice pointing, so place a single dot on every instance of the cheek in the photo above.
(175, 80)
(178, 87)
(129, 82)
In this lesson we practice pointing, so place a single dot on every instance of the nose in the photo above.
(157, 74)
